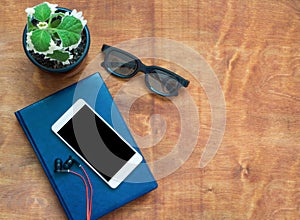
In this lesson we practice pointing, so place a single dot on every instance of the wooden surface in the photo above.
(254, 49)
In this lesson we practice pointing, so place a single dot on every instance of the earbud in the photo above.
(58, 166)
(70, 162)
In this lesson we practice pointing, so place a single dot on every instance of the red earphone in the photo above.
(60, 167)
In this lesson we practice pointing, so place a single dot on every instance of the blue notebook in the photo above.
(36, 121)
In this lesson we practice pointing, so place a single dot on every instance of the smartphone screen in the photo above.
(95, 141)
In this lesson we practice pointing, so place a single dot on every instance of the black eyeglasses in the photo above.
(159, 80)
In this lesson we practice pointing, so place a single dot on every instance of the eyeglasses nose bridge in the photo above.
(143, 68)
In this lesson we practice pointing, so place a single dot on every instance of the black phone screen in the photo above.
(96, 142)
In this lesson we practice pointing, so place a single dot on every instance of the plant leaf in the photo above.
(69, 31)
(57, 19)
(30, 26)
(55, 23)
(58, 14)
(42, 12)
(59, 55)
(41, 40)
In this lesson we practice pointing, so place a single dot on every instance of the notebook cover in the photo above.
(36, 121)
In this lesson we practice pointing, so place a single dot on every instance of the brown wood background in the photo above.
(254, 49)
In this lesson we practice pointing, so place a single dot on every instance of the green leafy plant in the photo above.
(53, 33)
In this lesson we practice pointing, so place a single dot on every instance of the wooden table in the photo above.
(253, 49)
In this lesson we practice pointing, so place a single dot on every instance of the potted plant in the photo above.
(55, 39)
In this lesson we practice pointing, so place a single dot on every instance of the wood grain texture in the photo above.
(254, 49)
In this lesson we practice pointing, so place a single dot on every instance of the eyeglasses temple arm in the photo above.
(185, 83)
(104, 47)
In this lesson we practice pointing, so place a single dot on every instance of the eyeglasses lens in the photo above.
(121, 64)
(162, 82)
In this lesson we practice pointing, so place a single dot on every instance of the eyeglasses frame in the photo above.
(141, 67)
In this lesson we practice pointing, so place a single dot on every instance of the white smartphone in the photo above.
(97, 143)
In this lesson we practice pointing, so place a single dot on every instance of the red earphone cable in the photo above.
(91, 190)
(88, 205)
